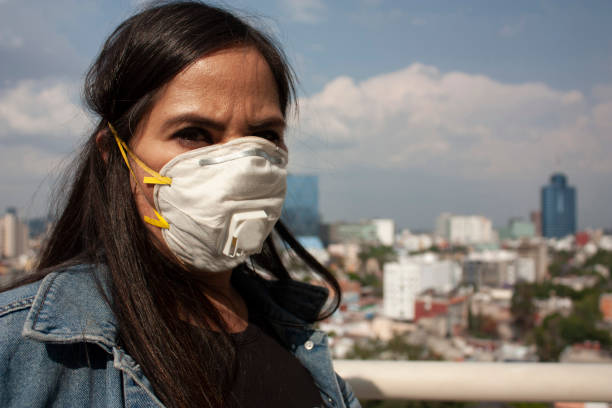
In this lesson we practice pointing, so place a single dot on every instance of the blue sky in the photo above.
(408, 108)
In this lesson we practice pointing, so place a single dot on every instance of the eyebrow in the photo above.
(267, 124)
(211, 123)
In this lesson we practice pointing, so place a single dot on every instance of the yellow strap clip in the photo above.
(155, 178)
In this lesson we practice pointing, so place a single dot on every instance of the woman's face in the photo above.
(222, 96)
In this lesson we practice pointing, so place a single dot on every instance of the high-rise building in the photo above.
(14, 235)
(403, 281)
(385, 229)
(538, 252)
(536, 220)
(301, 209)
(558, 208)
(464, 230)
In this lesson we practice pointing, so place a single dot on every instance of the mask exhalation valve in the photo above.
(246, 233)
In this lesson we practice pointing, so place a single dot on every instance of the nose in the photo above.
(230, 135)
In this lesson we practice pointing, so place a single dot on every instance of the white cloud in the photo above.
(40, 124)
(29, 163)
(30, 175)
(10, 40)
(514, 28)
(305, 11)
(42, 109)
(452, 124)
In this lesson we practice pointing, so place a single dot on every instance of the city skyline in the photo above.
(300, 223)
(407, 110)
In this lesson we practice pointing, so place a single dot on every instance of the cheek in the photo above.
(156, 153)
(139, 188)
(143, 196)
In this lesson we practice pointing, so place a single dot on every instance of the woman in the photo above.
(149, 291)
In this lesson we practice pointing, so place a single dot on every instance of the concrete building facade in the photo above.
(385, 230)
(403, 281)
(13, 235)
(464, 229)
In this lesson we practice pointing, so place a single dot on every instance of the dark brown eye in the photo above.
(270, 135)
(193, 135)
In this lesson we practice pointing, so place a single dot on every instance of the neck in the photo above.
(226, 299)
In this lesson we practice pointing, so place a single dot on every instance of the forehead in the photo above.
(221, 83)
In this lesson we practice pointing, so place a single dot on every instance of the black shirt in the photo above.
(268, 375)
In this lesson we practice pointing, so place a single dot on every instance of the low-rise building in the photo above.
(414, 242)
(453, 310)
(348, 253)
(576, 282)
(492, 268)
(517, 228)
(351, 295)
(551, 305)
(587, 352)
(358, 232)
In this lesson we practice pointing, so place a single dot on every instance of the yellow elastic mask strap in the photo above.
(159, 222)
(156, 179)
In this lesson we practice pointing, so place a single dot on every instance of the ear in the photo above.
(102, 144)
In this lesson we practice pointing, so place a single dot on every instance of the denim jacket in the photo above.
(58, 342)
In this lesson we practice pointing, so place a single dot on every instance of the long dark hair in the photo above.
(99, 223)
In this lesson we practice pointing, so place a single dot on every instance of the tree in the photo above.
(482, 326)
(601, 257)
(381, 253)
(548, 339)
(560, 263)
(397, 348)
(522, 307)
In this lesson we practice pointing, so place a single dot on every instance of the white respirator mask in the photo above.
(217, 204)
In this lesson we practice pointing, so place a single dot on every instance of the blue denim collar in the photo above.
(69, 308)
(70, 305)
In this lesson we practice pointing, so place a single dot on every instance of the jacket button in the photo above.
(308, 345)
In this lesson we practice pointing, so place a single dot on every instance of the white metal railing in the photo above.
(472, 381)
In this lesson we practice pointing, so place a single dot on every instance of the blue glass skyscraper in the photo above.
(301, 209)
(558, 206)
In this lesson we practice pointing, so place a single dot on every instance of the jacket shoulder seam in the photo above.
(20, 304)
